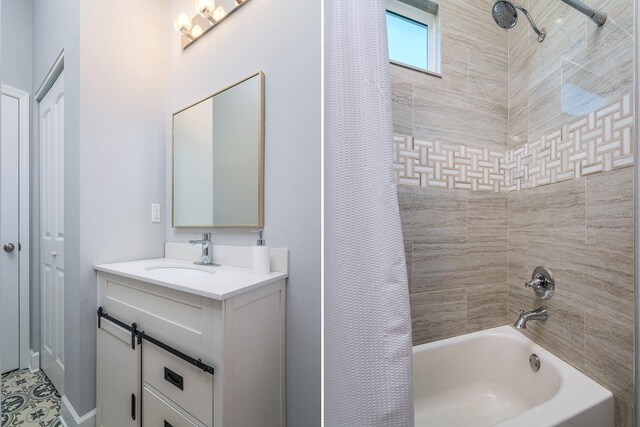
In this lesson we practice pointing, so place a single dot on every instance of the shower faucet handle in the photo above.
(542, 283)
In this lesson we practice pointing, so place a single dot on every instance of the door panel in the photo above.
(9, 213)
(51, 117)
(118, 379)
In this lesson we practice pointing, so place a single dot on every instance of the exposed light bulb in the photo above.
(182, 24)
(196, 31)
(205, 7)
(218, 14)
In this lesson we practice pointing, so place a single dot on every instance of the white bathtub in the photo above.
(484, 379)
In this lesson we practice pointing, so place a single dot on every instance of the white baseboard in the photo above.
(34, 361)
(70, 418)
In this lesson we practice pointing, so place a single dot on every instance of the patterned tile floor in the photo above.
(29, 400)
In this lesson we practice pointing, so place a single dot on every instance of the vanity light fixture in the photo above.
(218, 14)
(182, 24)
(196, 32)
(205, 8)
(207, 17)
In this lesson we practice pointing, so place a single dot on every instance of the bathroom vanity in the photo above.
(187, 345)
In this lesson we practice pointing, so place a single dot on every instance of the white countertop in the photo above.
(225, 282)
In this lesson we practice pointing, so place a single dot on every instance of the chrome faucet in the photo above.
(525, 316)
(542, 283)
(206, 250)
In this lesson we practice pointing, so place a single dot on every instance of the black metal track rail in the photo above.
(140, 335)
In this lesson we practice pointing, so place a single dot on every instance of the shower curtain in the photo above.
(367, 348)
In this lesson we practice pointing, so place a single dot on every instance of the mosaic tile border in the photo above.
(598, 142)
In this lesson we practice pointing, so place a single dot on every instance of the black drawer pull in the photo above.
(174, 378)
(167, 424)
(133, 406)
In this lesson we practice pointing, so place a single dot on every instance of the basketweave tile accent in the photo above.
(598, 142)
(434, 164)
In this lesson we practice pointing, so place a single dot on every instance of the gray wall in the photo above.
(17, 71)
(114, 152)
(16, 47)
(282, 40)
(120, 166)
(124, 76)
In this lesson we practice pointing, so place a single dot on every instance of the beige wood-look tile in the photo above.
(552, 213)
(545, 107)
(610, 209)
(623, 412)
(438, 315)
(458, 16)
(462, 264)
(455, 69)
(520, 64)
(519, 35)
(408, 255)
(488, 77)
(402, 101)
(583, 90)
(432, 213)
(566, 28)
(518, 139)
(609, 355)
(563, 40)
(487, 215)
(518, 118)
(593, 278)
(562, 333)
(459, 119)
(618, 11)
(486, 307)
(614, 64)
(518, 265)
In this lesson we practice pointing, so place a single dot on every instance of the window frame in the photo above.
(432, 22)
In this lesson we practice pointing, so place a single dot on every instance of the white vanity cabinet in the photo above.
(238, 331)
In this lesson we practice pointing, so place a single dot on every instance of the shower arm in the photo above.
(541, 34)
(594, 14)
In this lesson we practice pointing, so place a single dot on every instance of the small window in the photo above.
(413, 34)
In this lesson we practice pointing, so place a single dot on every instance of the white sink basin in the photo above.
(169, 272)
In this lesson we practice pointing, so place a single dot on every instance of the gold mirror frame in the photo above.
(260, 223)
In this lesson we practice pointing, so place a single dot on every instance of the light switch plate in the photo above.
(155, 213)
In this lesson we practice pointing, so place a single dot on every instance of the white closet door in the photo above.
(9, 278)
(51, 117)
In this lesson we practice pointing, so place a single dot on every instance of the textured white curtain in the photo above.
(367, 321)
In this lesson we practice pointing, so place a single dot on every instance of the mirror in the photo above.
(218, 158)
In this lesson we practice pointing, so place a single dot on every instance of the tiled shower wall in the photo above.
(582, 229)
(470, 247)
(456, 240)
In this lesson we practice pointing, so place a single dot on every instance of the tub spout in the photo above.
(525, 316)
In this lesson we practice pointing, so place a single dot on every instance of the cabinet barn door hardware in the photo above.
(140, 335)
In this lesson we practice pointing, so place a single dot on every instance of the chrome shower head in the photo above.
(505, 14)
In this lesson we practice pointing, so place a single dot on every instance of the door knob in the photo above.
(9, 247)
(54, 254)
